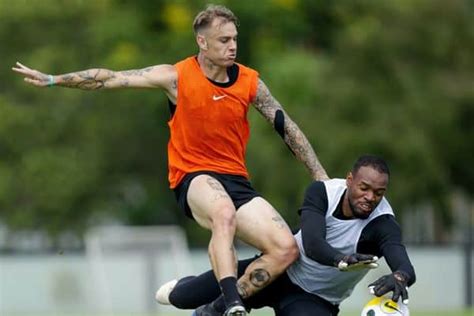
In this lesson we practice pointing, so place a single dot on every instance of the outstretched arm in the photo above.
(386, 233)
(273, 112)
(160, 76)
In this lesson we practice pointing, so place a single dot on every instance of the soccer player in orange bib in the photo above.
(210, 94)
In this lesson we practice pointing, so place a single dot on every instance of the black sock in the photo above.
(230, 295)
(219, 304)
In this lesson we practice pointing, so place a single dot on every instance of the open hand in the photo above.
(395, 282)
(34, 77)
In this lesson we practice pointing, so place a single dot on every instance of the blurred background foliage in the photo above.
(393, 78)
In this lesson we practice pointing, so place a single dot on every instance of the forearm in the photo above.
(302, 149)
(272, 110)
(398, 260)
(386, 234)
(313, 233)
(90, 79)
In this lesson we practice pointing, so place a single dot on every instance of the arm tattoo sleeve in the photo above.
(94, 79)
(91, 79)
(270, 108)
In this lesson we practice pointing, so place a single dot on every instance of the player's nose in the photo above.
(370, 196)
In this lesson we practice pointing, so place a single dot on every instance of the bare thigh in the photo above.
(206, 198)
(261, 226)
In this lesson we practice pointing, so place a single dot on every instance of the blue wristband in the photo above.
(50, 81)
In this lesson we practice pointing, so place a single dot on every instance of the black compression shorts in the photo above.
(237, 187)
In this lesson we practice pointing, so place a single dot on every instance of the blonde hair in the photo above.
(205, 18)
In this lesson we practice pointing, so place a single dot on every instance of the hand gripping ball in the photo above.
(383, 306)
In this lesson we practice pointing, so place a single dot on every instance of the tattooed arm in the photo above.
(273, 112)
(161, 76)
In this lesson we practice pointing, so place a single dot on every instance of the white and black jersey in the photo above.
(325, 233)
(313, 285)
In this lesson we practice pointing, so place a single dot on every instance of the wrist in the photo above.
(338, 259)
(400, 276)
(51, 81)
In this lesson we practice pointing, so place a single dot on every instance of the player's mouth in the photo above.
(365, 207)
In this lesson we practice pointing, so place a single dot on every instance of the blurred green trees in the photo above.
(394, 78)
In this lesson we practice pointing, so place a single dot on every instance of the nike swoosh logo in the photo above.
(218, 97)
(389, 306)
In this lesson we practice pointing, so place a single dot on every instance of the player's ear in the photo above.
(349, 179)
(201, 41)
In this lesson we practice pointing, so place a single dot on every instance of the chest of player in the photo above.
(212, 104)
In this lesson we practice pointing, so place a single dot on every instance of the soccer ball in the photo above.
(382, 306)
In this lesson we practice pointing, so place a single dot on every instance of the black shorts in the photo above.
(237, 187)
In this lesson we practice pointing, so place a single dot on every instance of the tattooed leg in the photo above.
(213, 209)
(261, 226)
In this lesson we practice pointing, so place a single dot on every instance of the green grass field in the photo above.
(412, 313)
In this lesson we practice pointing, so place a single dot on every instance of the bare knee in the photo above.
(224, 220)
(285, 252)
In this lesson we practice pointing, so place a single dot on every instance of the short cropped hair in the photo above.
(204, 18)
(371, 161)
